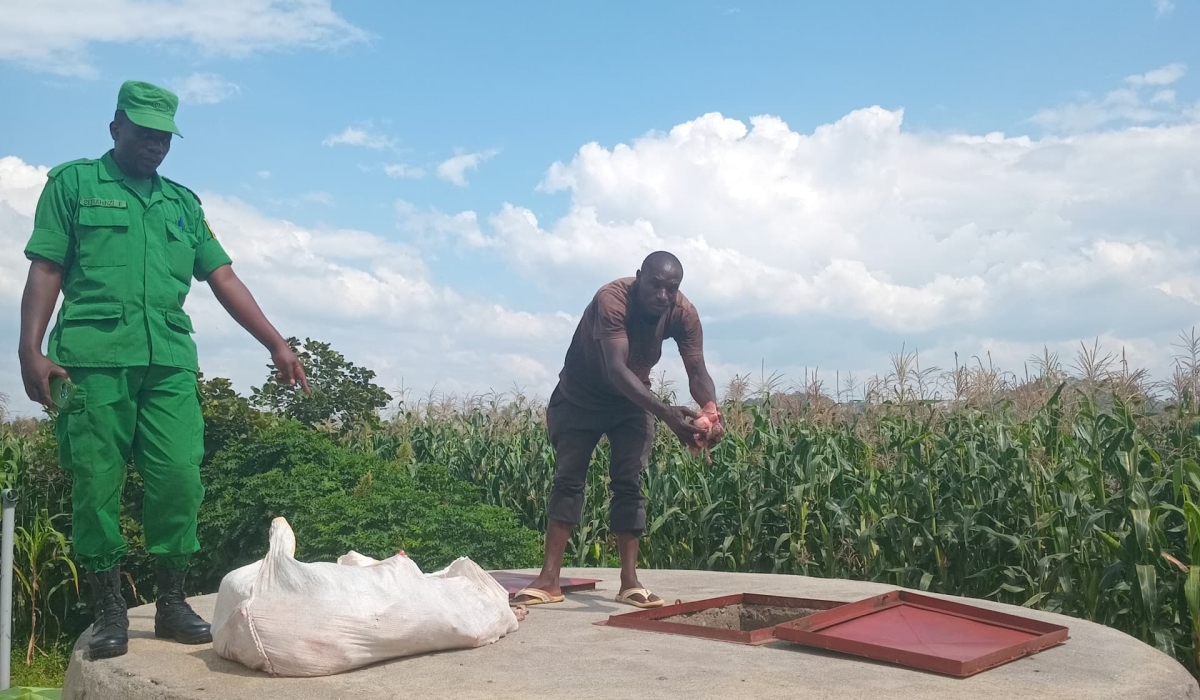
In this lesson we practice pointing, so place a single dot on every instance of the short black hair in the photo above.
(661, 261)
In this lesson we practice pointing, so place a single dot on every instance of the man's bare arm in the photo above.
(37, 305)
(240, 304)
(704, 391)
(677, 418)
(616, 357)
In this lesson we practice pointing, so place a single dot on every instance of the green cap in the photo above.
(149, 105)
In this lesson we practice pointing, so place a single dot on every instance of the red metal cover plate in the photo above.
(928, 632)
(924, 632)
(515, 582)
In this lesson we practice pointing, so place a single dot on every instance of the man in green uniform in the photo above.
(122, 244)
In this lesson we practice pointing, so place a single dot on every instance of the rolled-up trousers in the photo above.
(574, 433)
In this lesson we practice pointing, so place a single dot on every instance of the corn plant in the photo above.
(43, 569)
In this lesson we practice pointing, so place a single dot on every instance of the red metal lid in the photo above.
(514, 582)
(924, 632)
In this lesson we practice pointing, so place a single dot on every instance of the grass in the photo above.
(47, 670)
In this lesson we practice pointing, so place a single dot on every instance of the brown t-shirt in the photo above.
(584, 380)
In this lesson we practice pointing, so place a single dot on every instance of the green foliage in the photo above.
(228, 416)
(342, 392)
(337, 499)
(1069, 507)
(1083, 500)
(45, 575)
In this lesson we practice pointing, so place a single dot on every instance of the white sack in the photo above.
(289, 618)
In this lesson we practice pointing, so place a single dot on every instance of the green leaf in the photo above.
(1148, 589)
(1141, 527)
(1191, 591)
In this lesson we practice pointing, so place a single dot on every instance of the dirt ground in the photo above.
(744, 618)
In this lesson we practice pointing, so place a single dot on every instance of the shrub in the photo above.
(336, 499)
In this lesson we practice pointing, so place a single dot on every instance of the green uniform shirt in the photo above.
(129, 251)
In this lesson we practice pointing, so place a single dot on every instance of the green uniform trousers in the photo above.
(152, 415)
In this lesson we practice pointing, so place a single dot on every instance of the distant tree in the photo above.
(342, 392)
(228, 416)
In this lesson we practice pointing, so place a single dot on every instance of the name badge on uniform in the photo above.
(99, 202)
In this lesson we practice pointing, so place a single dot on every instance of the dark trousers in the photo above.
(574, 434)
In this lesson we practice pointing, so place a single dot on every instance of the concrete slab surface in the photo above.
(560, 653)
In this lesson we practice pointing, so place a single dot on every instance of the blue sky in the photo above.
(322, 97)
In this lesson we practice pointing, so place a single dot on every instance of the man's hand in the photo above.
(716, 426)
(679, 420)
(36, 371)
(37, 304)
(290, 369)
(240, 304)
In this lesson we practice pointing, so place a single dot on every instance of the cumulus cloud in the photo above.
(454, 169)
(834, 247)
(204, 88)
(1125, 104)
(463, 226)
(56, 35)
(828, 248)
(362, 136)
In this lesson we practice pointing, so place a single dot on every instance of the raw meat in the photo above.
(709, 421)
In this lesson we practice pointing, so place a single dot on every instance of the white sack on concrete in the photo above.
(289, 618)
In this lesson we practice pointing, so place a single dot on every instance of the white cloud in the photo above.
(1163, 97)
(1166, 75)
(204, 88)
(403, 171)
(1125, 104)
(825, 248)
(1162, 8)
(264, 174)
(360, 136)
(463, 226)
(834, 247)
(56, 35)
(454, 169)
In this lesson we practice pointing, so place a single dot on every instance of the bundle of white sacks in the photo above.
(290, 618)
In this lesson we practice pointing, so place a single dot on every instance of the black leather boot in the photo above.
(175, 619)
(110, 631)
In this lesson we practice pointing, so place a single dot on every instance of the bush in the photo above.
(336, 499)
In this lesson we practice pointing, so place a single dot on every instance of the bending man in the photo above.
(604, 389)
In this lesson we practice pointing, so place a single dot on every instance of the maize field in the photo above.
(1074, 494)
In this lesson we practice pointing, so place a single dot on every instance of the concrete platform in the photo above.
(558, 653)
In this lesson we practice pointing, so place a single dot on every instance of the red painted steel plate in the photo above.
(654, 619)
(515, 582)
(924, 632)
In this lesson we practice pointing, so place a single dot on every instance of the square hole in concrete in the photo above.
(746, 618)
